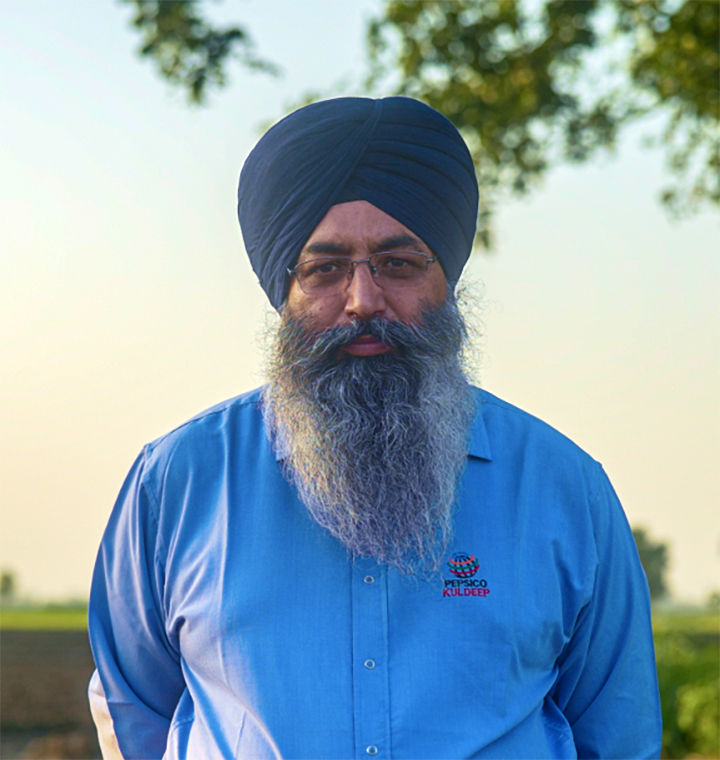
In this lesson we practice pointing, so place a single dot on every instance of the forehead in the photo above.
(359, 228)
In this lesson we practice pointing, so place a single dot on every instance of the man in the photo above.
(368, 557)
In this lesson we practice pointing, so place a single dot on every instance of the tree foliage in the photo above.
(188, 51)
(654, 558)
(8, 586)
(527, 89)
(529, 83)
(688, 662)
(698, 714)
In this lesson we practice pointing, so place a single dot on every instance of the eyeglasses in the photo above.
(330, 275)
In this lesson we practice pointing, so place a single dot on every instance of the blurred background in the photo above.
(128, 304)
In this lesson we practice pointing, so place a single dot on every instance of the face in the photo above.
(358, 229)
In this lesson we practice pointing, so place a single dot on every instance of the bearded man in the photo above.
(368, 557)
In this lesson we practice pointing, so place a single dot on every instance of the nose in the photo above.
(364, 298)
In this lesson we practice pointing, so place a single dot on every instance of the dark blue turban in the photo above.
(397, 153)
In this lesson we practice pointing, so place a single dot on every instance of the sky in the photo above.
(127, 304)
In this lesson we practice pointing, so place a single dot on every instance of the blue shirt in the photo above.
(225, 623)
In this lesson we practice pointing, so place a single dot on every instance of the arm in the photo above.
(138, 666)
(607, 684)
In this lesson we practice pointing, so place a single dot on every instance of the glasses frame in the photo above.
(352, 264)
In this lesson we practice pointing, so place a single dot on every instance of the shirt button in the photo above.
(370, 664)
(371, 750)
(369, 579)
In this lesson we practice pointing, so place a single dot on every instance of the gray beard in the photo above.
(375, 445)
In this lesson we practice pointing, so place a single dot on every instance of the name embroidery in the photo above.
(463, 567)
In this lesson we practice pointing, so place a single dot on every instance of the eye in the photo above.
(400, 262)
(324, 267)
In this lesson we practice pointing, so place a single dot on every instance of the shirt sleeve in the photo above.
(138, 664)
(607, 684)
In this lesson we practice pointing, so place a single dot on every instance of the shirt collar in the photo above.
(479, 442)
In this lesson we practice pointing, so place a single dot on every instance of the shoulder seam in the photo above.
(154, 504)
(199, 418)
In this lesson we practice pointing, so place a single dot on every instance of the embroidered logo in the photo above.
(463, 567)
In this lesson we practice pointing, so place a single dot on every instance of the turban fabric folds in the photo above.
(397, 153)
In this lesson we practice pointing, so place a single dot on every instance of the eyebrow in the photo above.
(398, 241)
(327, 248)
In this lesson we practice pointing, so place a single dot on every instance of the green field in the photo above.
(686, 622)
(49, 618)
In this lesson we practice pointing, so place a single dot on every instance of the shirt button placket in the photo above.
(370, 679)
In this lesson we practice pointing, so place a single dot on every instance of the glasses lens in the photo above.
(322, 275)
(397, 269)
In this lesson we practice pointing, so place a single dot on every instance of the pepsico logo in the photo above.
(463, 565)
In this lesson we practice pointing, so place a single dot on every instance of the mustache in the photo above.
(332, 339)
(402, 336)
